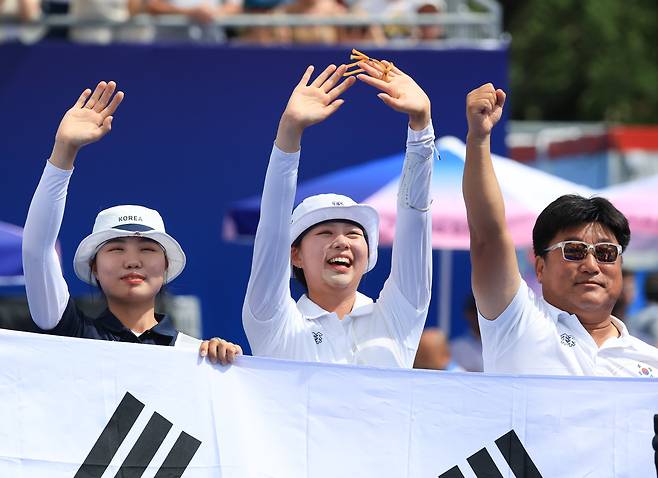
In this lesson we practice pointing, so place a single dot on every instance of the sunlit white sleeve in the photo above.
(268, 302)
(47, 292)
(411, 263)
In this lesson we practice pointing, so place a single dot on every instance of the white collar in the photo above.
(311, 310)
(555, 314)
(621, 326)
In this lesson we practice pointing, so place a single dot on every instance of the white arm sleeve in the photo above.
(411, 262)
(268, 292)
(47, 292)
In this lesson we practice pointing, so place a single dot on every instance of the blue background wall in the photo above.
(194, 134)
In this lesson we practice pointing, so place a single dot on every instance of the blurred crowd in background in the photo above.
(200, 18)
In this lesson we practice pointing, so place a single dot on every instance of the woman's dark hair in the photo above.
(572, 210)
(297, 272)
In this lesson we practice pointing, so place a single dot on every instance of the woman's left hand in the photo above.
(400, 92)
(219, 350)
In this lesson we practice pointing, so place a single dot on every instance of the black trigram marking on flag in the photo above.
(483, 465)
(512, 450)
(144, 449)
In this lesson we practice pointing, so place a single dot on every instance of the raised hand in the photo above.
(484, 107)
(400, 92)
(86, 122)
(310, 104)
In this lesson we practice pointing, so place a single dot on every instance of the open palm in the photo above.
(312, 103)
(91, 117)
(398, 90)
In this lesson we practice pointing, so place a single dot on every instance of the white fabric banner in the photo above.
(84, 408)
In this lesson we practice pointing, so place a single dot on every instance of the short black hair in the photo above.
(298, 272)
(572, 210)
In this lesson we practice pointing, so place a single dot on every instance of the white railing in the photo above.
(458, 22)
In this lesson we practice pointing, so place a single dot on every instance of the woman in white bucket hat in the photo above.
(330, 241)
(128, 255)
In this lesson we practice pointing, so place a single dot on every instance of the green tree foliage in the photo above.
(584, 60)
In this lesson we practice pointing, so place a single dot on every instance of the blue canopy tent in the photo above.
(11, 262)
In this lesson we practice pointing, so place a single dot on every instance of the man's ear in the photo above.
(540, 263)
(295, 257)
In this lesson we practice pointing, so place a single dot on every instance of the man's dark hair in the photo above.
(651, 287)
(572, 210)
(297, 272)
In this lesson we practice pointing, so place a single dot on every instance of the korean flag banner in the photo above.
(86, 408)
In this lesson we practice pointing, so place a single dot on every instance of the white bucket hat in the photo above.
(334, 207)
(127, 221)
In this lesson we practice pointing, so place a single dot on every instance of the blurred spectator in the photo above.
(434, 352)
(402, 9)
(262, 35)
(644, 325)
(429, 32)
(23, 10)
(201, 12)
(627, 296)
(20, 11)
(54, 8)
(110, 11)
(389, 9)
(327, 35)
(467, 348)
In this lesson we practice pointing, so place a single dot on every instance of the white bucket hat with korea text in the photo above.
(127, 221)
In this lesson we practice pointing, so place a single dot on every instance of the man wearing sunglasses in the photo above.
(578, 245)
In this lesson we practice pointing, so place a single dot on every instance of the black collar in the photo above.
(164, 327)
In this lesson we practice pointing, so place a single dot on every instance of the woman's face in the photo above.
(130, 269)
(333, 255)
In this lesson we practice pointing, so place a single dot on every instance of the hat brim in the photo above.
(362, 214)
(89, 246)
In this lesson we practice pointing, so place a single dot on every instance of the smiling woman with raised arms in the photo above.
(330, 241)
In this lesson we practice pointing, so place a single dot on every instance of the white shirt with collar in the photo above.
(384, 333)
(533, 337)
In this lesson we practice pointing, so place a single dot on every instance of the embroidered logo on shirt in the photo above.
(644, 370)
(568, 340)
(317, 336)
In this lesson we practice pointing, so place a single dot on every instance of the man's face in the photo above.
(586, 288)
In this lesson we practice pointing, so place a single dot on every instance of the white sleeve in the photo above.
(522, 325)
(47, 292)
(411, 262)
(267, 301)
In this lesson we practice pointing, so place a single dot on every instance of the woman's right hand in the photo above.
(311, 104)
(86, 122)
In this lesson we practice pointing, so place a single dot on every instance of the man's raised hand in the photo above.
(484, 107)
